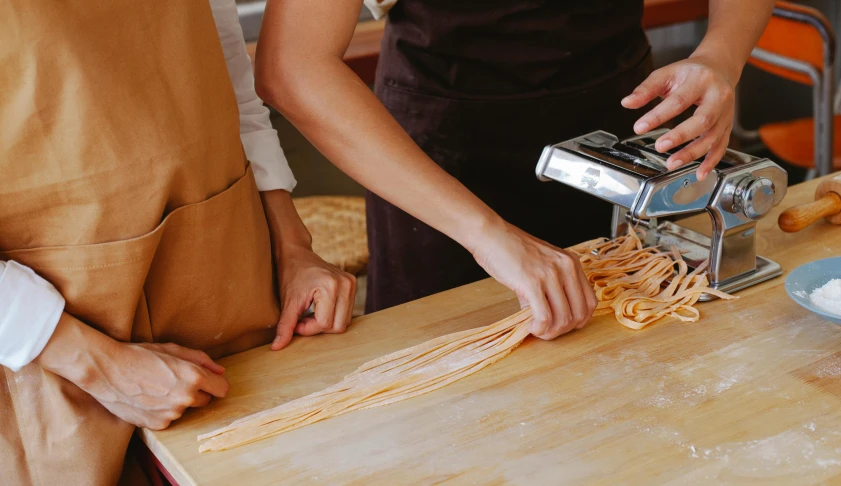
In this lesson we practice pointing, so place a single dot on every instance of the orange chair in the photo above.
(799, 45)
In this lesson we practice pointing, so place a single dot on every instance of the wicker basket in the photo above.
(337, 225)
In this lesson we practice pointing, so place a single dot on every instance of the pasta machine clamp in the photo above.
(633, 176)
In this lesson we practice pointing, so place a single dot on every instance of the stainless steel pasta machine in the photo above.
(632, 176)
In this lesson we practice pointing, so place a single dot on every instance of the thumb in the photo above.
(650, 89)
(289, 315)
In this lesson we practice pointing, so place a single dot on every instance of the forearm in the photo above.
(72, 350)
(734, 29)
(305, 78)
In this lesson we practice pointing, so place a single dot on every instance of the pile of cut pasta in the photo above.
(639, 285)
(630, 281)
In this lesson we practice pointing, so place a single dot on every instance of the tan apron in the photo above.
(122, 182)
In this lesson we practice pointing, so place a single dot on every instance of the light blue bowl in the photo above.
(806, 278)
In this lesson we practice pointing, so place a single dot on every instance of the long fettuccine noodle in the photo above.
(391, 378)
(628, 280)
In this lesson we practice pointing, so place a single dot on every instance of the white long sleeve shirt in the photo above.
(30, 307)
(379, 8)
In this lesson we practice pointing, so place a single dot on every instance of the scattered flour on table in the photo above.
(828, 297)
(798, 450)
(828, 368)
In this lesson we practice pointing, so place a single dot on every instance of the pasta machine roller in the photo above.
(632, 176)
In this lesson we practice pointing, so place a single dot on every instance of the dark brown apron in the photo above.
(482, 87)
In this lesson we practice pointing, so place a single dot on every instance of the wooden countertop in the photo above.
(364, 49)
(752, 392)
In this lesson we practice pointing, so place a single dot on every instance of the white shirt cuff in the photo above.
(271, 169)
(30, 308)
(379, 8)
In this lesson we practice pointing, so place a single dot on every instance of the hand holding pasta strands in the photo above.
(628, 280)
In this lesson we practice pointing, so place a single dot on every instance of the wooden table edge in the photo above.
(166, 463)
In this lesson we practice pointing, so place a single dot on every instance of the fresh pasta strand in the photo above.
(638, 285)
(389, 379)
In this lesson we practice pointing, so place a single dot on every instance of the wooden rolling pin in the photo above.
(827, 205)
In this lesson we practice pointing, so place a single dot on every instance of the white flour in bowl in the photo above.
(828, 297)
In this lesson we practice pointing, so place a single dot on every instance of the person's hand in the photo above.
(699, 81)
(546, 278)
(147, 385)
(306, 280)
(150, 385)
